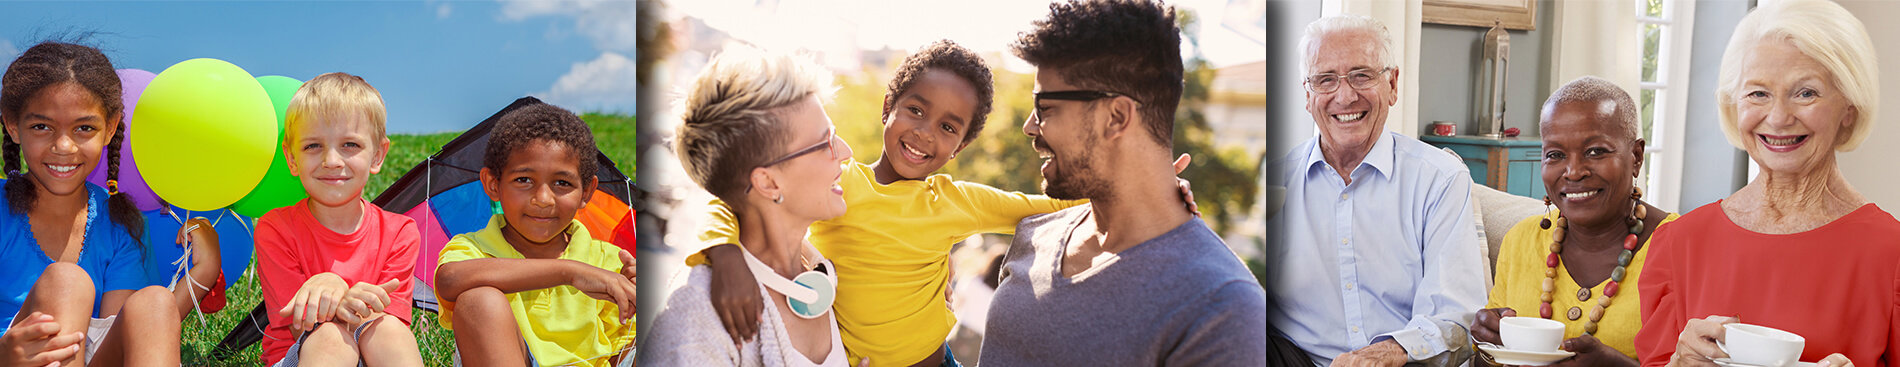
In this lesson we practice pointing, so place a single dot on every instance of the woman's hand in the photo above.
(316, 301)
(1695, 346)
(36, 341)
(1486, 327)
(1592, 352)
(1835, 360)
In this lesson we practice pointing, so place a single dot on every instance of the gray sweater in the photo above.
(1179, 299)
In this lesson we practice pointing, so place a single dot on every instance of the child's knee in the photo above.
(481, 303)
(330, 342)
(64, 278)
(151, 302)
(63, 290)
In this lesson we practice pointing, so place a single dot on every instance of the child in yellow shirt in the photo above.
(534, 287)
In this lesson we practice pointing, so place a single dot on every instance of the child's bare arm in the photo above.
(517, 275)
(734, 293)
(204, 270)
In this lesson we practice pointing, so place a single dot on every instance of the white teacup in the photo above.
(1531, 334)
(1761, 345)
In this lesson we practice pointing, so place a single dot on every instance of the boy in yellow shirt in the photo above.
(534, 287)
(892, 245)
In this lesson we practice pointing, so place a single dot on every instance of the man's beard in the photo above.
(1073, 177)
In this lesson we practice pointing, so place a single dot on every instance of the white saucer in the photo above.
(1524, 358)
(1725, 362)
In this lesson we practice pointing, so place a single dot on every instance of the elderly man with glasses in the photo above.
(1378, 263)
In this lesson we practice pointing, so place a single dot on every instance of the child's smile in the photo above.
(334, 156)
(926, 125)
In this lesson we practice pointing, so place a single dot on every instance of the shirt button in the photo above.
(1355, 329)
(1344, 196)
(1343, 241)
(1349, 286)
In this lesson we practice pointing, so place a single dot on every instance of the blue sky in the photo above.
(441, 66)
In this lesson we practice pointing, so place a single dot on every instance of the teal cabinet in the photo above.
(1513, 165)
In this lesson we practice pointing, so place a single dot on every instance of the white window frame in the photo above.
(1664, 186)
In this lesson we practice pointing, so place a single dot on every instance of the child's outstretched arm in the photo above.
(518, 275)
(733, 292)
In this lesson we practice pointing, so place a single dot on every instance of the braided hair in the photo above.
(50, 64)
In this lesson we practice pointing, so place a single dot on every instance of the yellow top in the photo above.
(892, 250)
(561, 325)
(1520, 279)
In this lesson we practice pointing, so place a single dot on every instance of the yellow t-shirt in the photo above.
(892, 250)
(1519, 284)
(561, 325)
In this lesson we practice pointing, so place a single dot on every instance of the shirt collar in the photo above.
(1379, 158)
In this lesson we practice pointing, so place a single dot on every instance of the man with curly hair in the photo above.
(1130, 278)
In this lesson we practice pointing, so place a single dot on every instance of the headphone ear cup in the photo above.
(822, 283)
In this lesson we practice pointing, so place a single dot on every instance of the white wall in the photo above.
(1870, 168)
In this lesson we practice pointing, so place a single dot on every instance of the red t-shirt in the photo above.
(1835, 285)
(292, 246)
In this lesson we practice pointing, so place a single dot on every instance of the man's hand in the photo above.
(316, 301)
(36, 341)
(1382, 354)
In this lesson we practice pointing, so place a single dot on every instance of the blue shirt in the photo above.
(1391, 256)
(109, 255)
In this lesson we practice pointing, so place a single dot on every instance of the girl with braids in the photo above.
(71, 277)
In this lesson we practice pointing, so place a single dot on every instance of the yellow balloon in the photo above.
(205, 132)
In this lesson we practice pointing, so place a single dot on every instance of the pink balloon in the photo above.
(130, 182)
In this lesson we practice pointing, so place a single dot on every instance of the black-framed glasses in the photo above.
(1078, 95)
(1357, 78)
(826, 146)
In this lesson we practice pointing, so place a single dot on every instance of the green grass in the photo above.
(614, 135)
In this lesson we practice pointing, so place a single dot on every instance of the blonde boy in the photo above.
(337, 270)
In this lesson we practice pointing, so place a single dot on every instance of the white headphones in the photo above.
(809, 295)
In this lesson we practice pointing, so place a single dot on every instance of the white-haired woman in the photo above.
(1798, 248)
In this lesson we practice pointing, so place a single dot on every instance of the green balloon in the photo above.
(279, 188)
(205, 134)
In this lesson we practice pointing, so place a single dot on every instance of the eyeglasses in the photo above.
(1078, 95)
(1357, 78)
(826, 146)
(1072, 95)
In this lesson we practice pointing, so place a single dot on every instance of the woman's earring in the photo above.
(779, 200)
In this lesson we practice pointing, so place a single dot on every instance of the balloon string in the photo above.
(181, 267)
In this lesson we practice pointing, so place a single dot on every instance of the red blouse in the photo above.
(1835, 285)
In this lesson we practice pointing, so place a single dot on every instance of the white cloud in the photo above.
(604, 84)
(608, 23)
(443, 10)
(7, 51)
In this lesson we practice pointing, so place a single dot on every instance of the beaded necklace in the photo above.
(1638, 212)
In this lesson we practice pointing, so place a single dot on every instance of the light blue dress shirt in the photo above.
(1392, 255)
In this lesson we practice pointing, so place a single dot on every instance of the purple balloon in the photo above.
(130, 182)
